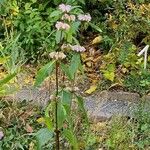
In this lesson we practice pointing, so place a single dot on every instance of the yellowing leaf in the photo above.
(97, 40)
(41, 120)
(109, 75)
(91, 89)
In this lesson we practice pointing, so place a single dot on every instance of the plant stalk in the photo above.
(56, 110)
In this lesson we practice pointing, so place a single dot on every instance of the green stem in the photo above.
(56, 110)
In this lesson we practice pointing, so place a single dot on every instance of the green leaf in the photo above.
(74, 66)
(66, 97)
(69, 135)
(109, 75)
(56, 2)
(66, 100)
(43, 136)
(3, 60)
(44, 72)
(110, 72)
(58, 36)
(81, 108)
(55, 13)
(95, 27)
(7, 79)
(49, 123)
(65, 69)
(69, 36)
(61, 114)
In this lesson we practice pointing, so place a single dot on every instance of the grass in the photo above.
(19, 123)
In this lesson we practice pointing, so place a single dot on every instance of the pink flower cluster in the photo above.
(68, 17)
(86, 17)
(78, 48)
(65, 8)
(60, 25)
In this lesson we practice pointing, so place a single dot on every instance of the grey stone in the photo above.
(105, 104)
(35, 95)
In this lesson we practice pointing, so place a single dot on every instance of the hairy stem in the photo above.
(56, 110)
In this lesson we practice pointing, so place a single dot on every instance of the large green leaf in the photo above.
(82, 108)
(74, 66)
(95, 27)
(66, 100)
(66, 97)
(71, 70)
(70, 136)
(44, 72)
(43, 136)
(65, 69)
(58, 36)
(61, 114)
(55, 13)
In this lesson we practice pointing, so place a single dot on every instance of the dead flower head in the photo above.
(57, 55)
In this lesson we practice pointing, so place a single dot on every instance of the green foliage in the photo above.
(44, 72)
(11, 51)
(132, 134)
(138, 82)
(71, 69)
(31, 20)
(13, 123)
(43, 137)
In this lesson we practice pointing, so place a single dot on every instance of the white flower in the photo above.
(68, 17)
(86, 17)
(60, 25)
(78, 48)
(65, 8)
(57, 55)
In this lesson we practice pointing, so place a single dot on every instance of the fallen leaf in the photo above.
(97, 40)
(41, 120)
(91, 89)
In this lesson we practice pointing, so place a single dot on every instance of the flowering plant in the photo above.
(68, 20)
